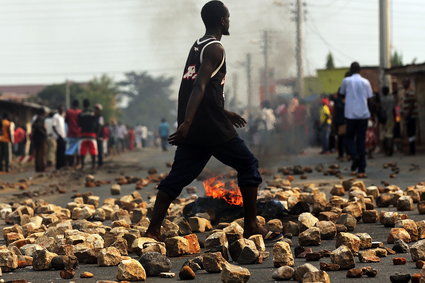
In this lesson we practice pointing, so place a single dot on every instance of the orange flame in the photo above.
(228, 191)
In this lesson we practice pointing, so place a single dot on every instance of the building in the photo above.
(19, 92)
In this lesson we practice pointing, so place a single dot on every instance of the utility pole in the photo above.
(249, 83)
(299, 46)
(67, 95)
(266, 65)
(384, 41)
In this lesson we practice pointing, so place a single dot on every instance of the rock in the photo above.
(195, 263)
(343, 257)
(169, 229)
(421, 207)
(158, 247)
(401, 247)
(370, 216)
(337, 190)
(275, 225)
(347, 220)
(417, 250)
(184, 226)
(306, 220)
(283, 273)
(42, 260)
(259, 242)
(234, 274)
(398, 234)
(421, 229)
(328, 216)
(115, 189)
(389, 218)
(369, 271)
(216, 239)
(313, 256)
(198, 224)
(8, 260)
(64, 262)
(310, 237)
(86, 274)
(329, 266)
(282, 254)
(291, 227)
(303, 269)
(186, 273)
(416, 278)
(316, 276)
(155, 263)
(365, 240)
(67, 273)
(236, 247)
(167, 275)
(327, 229)
(354, 273)
(349, 240)
(420, 264)
(177, 246)
(405, 203)
(248, 255)
(410, 226)
(193, 242)
(131, 270)
(400, 278)
(109, 257)
(213, 262)
(399, 260)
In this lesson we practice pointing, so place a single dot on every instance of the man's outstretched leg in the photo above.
(251, 225)
(162, 203)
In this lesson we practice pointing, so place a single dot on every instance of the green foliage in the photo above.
(330, 61)
(396, 59)
(54, 95)
(149, 99)
(102, 91)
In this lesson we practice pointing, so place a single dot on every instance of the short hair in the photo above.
(86, 103)
(75, 103)
(355, 67)
(385, 90)
(212, 12)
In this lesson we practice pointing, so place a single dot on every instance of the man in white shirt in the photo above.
(357, 91)
(51, 140)
(58, 127)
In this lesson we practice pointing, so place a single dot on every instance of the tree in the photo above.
(54, 95)
(102, 91)
(330, 61)
(149, 99)
(396, 59)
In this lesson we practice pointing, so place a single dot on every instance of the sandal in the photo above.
(272, 237)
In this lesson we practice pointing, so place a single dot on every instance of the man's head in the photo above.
(75, 103)
(355, 68)
(385, 90)
(215, 15)
(60, 109)
(98, 108)
(162, 120)
(86, 103)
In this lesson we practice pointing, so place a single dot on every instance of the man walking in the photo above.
(205, 128)
(163, 131)
(89, 128)
(73, 135)
(357, 91)
(5, 141)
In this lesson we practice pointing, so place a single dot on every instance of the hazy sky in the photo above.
(47, 41)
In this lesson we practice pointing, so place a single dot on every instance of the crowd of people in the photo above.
(63, 138)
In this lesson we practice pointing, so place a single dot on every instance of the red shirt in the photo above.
(71, 118)
(19, 135)
(300, 115)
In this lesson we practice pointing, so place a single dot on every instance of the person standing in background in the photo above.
(5, 142)
(163, 132)
(100, 133)
(89, 128)
(325, 125)
(386, 129)
(20, 142)
(409, 111)
(60, 135)
(51, 140)
(39, 141)
(73, 135)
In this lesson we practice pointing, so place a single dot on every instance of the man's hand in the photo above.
(236, 119)
(180, 134)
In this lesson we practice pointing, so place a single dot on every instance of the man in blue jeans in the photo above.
(163, 134)
(357, 91)
(205, 128)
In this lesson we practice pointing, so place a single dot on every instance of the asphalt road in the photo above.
(137, 163)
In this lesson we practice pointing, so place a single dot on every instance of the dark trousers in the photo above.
(325, 133)
(99, 152)
(356, 139)
(164, 143)
(60, 153)
(189, 160)
(341, 145)
(4, 156)
(411, 134)
(40, 151)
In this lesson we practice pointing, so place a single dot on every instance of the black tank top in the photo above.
(210, 125)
